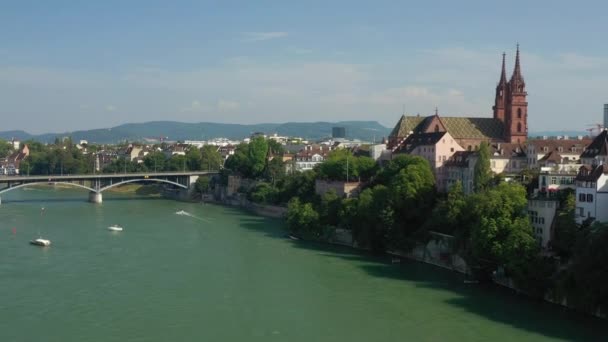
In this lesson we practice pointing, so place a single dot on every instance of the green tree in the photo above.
(176, 163)
(329, 208)
(211, 159)
(501, 234)
(275, 170)
(263, 193)
(566, 229)
(257, 153)
(302, 219)
(193, 159)
(5, 148)
(155, 161)
(482, 173)
(202, 185)
(300, 185)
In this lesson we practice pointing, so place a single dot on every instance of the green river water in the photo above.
(222, 274)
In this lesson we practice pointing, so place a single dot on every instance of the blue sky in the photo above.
(67, 65)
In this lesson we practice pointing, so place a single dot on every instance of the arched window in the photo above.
(519, 113)
(519, 126)
(436, 128)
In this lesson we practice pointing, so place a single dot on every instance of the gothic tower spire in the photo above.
(516, 106)
(503, 74)
(501, 92)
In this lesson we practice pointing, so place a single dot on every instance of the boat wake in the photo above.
(185, 213)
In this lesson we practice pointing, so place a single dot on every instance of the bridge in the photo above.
(98, 183)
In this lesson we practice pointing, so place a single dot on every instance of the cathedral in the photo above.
(509, 124)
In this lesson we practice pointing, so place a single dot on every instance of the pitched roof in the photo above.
(420, 139)
(598, 147)
(459, 159)
(567, 145)
(459, 127)
(585, 173)
(507, 150)
(405, 125)
(552, 156)
(474, 128)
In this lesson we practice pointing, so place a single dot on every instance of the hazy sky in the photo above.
(68, 65)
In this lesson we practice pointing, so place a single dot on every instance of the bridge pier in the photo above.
(95, 197)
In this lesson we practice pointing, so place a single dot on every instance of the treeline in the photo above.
(63, 157)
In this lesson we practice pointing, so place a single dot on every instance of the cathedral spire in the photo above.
(503, 74)
(517, 70)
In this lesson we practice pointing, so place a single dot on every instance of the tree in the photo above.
(263, 193)
(412, 190)
(302, 218)
(210, 158)
(566, 229)
(202, 185)
(5, 148)
(329, 208)
(155, 161)
(176, 163)
(300, 184)
(275, 170)
(501, 234)
(257, 153)
(193, 159)
(482, 173)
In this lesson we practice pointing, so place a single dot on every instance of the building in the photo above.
(436, 147)
(597, 152)
(507, 158)
(541, 212)
(461, 168)
(509, 123)
(310, 156)
(555, 152)
(338, 132)
(592, 193)
(606, 115)
(12, 163)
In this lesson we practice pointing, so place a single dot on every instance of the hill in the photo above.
(172, 130)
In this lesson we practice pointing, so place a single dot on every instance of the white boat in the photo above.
(181, 212)
(41, 242)
(115, 228)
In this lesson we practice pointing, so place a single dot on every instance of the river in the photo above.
(220, 274)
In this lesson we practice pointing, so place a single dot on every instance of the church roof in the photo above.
(599, 146)
(420, 139)
(458, 127)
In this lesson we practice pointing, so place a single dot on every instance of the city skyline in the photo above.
(84, 66)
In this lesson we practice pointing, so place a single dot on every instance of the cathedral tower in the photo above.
(501, 94)
(516, 106)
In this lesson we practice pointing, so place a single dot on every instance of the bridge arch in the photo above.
(45, 182)
(141, 180)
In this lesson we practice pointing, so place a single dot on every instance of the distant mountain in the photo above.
(171, 130)
(570, 134)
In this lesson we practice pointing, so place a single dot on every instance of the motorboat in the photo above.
(181, 212)
(115, 228)
(41, 242)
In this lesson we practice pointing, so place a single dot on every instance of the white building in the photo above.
(541, 152)
(310, 156)
(592, 193)
(542, 213)
(597, 152)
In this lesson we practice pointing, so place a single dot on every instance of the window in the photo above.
(581, 212)
(581, 198)
(553, 180)
(436, 128)
(589, 198)
(452, 149)
(519, 113)
(519, 126)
